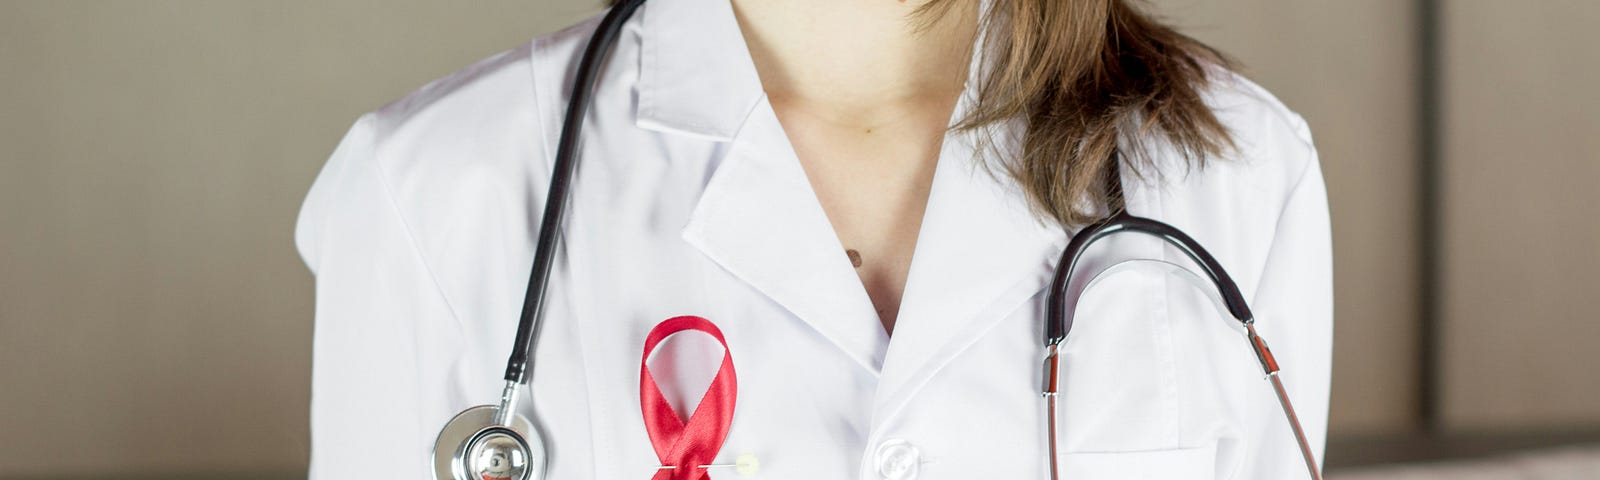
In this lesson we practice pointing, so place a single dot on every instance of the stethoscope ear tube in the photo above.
(560, 181)
(1058, 324)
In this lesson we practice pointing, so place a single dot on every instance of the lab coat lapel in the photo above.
(760, 219)
(980, 255)
(757, 217)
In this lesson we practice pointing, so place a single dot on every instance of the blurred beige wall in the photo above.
(1521, 212)
(153, 155)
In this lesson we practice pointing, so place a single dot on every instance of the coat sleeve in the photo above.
(370, 282)
(1293, 303)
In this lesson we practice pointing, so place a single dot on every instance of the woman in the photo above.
(867, 199)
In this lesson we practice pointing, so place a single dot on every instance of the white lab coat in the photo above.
(690, 200)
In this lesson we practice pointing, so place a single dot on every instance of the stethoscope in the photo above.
(1058, 325)
(494, 442)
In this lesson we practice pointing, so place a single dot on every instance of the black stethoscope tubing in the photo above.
(1058, 324)
(560, 182)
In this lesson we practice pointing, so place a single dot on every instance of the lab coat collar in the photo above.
(760, 220)
(696, 76)
(980, 255)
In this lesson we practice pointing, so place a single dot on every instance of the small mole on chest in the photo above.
(855, 257)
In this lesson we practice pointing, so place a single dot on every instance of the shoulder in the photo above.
(1272, 144)
(489, 126)
(467, 141)
(504, 93)
(1242, 195)
(1272, 154)
(1265, 192)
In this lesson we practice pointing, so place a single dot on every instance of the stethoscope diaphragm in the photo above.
(485, 449)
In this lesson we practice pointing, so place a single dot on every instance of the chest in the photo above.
(872, 179)
(739, 234)
(821, 397)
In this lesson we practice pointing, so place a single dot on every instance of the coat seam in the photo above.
(416, 250)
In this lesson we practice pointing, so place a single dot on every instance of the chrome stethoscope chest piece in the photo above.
(487, 450)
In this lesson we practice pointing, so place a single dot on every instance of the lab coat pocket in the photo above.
(1175, 464)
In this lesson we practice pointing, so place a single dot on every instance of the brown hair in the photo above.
(1093, 79)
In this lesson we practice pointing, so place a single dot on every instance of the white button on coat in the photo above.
(898, 460)
(689, 200)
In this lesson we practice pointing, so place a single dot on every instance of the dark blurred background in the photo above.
(155, 320)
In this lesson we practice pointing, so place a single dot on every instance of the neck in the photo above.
(857, 56)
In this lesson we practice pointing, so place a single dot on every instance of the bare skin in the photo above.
(865, 95)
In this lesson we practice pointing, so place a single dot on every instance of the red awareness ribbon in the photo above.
(680, 445)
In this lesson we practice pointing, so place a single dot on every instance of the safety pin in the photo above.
(746, 464)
